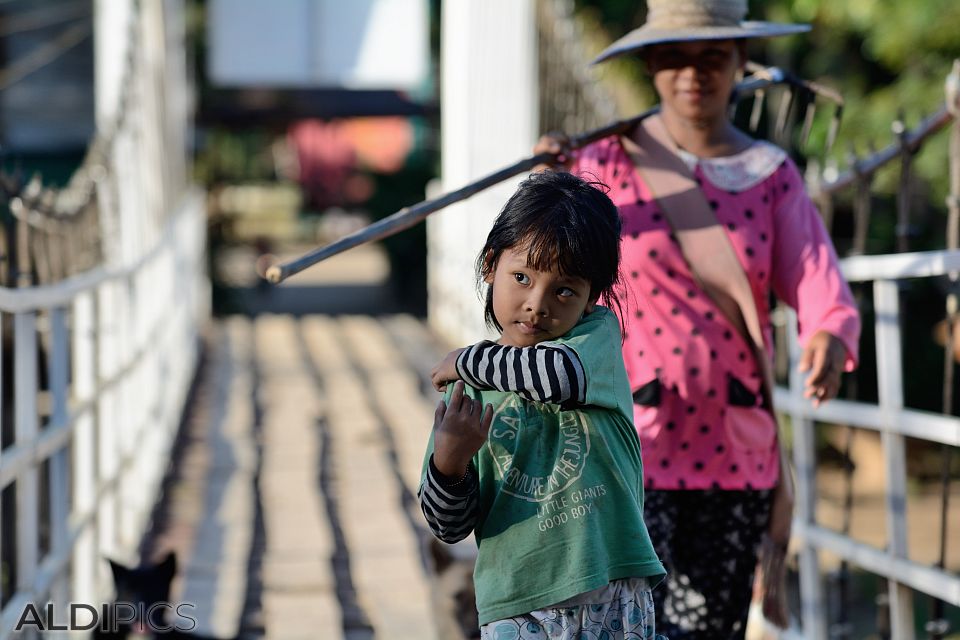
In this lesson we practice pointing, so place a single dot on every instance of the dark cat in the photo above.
(143, 594)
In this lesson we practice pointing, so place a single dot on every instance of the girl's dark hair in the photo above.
(564, 222)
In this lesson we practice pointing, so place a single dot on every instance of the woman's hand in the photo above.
(558, 144)
(445, 371)
(824, 358)
(459, 430)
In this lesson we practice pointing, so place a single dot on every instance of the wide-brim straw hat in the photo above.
(688, 20)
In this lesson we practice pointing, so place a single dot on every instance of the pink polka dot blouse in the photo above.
(696, 387)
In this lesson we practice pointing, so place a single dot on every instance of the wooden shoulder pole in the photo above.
(409, 216)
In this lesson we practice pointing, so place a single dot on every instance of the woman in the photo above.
(709, 441)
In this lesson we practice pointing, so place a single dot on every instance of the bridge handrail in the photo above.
(47, 296)
(120, 341)
(900, 266)
(894, 422)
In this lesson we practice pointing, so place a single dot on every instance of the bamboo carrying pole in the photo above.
(409, 216)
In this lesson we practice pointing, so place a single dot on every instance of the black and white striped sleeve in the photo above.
(545, 373)
(451, 508)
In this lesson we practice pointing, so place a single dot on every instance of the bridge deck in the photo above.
(291, 497)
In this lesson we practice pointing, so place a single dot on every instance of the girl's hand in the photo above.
(824, 358)
(459, 430)
(445, 371)
(556, 143)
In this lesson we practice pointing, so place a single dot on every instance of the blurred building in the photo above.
(270, 61)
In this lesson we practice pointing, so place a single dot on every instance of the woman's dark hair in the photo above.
(564, 222)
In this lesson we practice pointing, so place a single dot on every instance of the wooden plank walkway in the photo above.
(291, 497)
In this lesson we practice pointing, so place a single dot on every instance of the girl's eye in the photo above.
(566, 292)
(521, 278)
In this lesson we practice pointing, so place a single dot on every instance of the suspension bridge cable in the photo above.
(44, 54)
(12, 24)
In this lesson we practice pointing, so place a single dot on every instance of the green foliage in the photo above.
(887, 58)
(618, 16)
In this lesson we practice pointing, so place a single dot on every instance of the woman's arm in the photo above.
(806, 275)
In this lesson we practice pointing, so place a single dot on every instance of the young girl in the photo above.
(537, 453)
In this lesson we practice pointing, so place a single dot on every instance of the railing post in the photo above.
(25, 435)
(890, 387)
(60, 460)
(813, 611)
(85, 560)
(938, 626)
(108, 461)
(126, 426)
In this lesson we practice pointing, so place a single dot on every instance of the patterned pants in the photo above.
(628, 617)
(707, 541)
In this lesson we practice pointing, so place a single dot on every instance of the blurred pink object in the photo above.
(330, 154)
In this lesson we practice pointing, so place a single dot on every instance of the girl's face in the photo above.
(533, 306)
(695, 79)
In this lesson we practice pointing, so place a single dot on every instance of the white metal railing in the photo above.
(103, 356)
(121, 348)
(895, 423)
